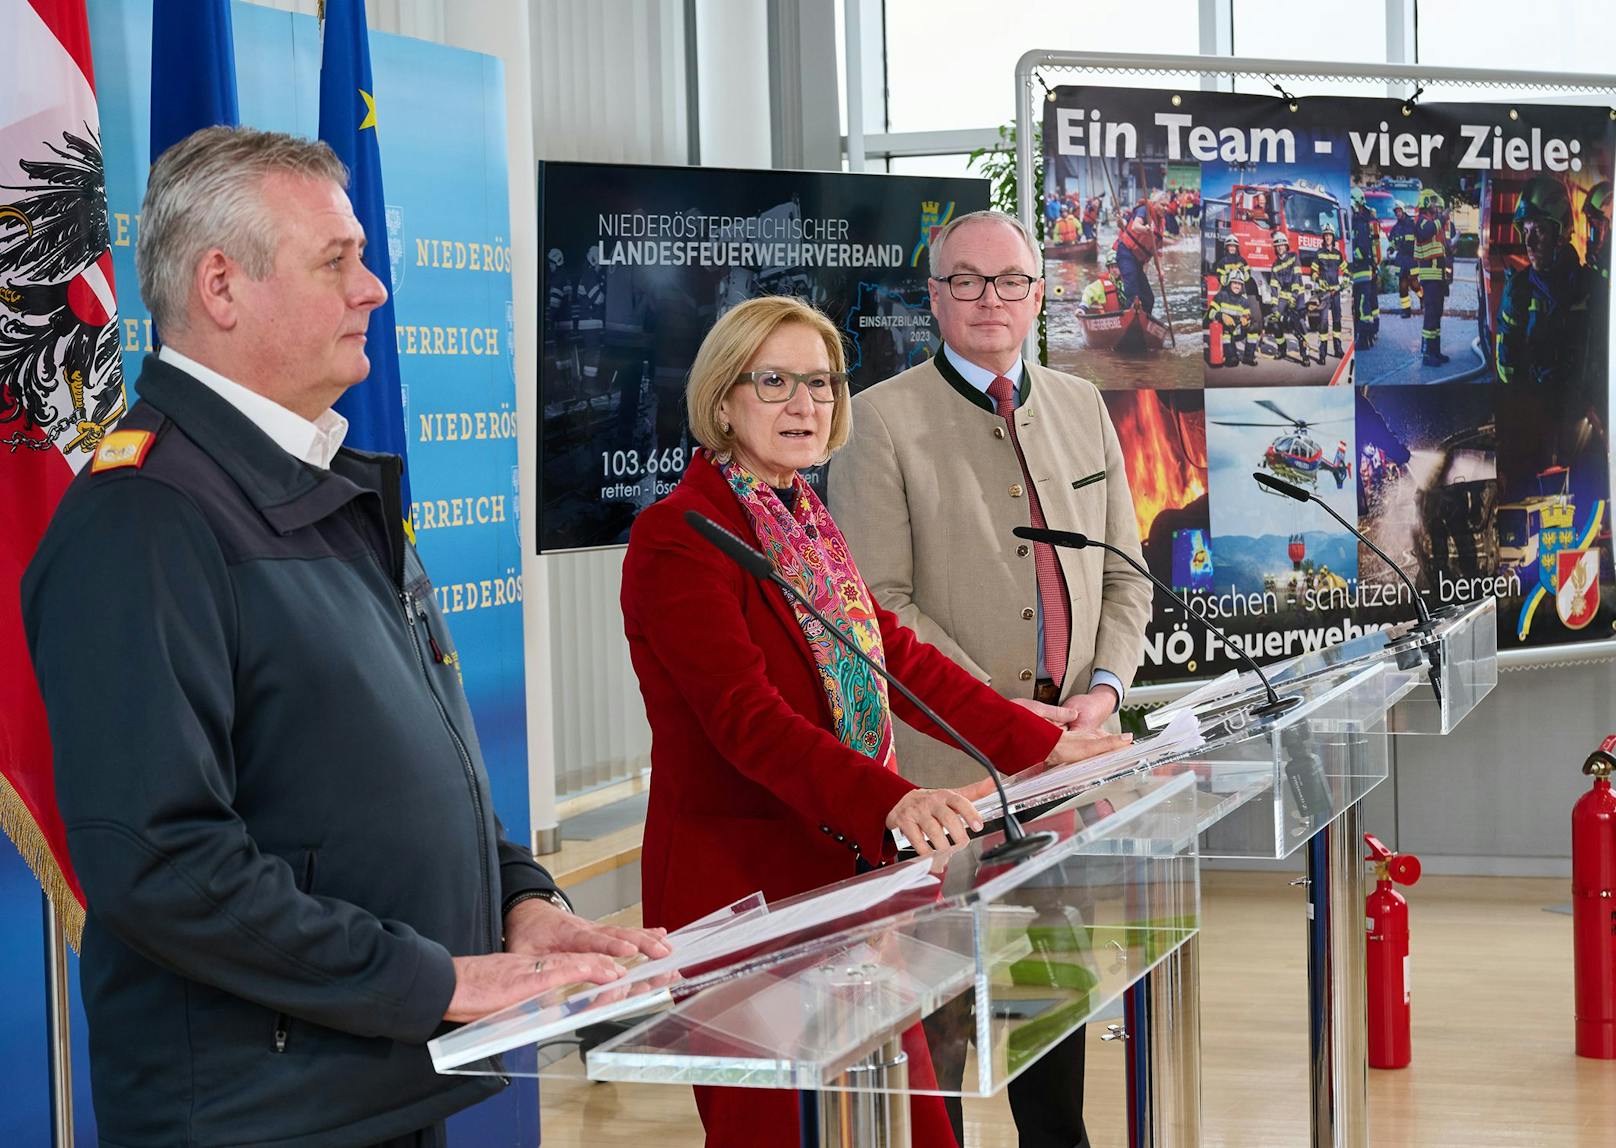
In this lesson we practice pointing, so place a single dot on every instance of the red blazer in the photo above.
(750, 786)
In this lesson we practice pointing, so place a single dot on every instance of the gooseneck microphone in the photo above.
(1018, 843)
(1290, 490)
(1276, 703)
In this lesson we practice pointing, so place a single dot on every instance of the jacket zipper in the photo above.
(420, 614)
(412, 609)
(283, 1022)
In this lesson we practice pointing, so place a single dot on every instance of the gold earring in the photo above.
(725, 427)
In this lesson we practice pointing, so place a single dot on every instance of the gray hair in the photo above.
(935, 247)
(205, 192)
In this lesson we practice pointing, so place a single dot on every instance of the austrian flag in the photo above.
(61, 378)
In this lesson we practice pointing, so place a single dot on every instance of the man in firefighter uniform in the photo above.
(1231, 264)
(561, 342)
(1104, 295)
(1231, 310)
(1433, 267)
(1401, 240)
(1364, 269)
(1327, 284)
(1596, 212)
(1596, 209)
(1136, 249)
(293, 871)
(589, 313)
(1288, 298)
(1543, 315)
(1091, 215)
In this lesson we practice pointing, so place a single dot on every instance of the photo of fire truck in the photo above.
(1256, 214)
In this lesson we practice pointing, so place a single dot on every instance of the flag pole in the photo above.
(57, 1014)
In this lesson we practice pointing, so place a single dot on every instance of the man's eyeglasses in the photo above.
(774, 386)
(1011, 287)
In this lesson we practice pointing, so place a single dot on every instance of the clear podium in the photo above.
(950, 974)
(1304, 771)
(943, 975)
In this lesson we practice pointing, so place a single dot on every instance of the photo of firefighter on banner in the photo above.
(1402, 309)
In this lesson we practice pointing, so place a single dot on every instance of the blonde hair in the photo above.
(730, 345)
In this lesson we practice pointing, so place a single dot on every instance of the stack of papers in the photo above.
(1181, 733)
(1223, 686)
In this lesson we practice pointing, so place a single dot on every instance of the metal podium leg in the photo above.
(875, 1116)
(1337, 1014)
(1162, 1018)
(869, 1105)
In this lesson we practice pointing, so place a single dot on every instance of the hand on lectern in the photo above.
(1080, 745)
(487, 984)
(1080, 712)
(934, 819)
(537, 928)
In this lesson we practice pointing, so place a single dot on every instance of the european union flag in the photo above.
(374, 408)
(193, 73)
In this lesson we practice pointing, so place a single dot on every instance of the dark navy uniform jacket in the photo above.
(272, 787)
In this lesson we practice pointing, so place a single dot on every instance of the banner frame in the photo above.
(1029, 85)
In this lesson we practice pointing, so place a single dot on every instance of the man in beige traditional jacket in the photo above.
(945, 460)
(932, 484)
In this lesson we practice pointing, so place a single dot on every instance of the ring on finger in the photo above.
(538, 965)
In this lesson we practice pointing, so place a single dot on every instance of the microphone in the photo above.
(1426, 624)
(1275, 704)
(1018, 843)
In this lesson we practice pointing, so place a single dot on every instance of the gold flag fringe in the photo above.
(18, 824)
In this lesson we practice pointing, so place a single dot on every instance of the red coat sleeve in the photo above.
(685, 599)
(1012, 737)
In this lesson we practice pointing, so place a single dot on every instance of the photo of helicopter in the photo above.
(1294, 456)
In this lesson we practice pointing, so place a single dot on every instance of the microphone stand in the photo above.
(1425, 627)
(1275, 705)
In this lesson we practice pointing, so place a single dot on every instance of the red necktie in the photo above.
(1051, 585)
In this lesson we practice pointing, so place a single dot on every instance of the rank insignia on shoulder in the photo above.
(122, 448)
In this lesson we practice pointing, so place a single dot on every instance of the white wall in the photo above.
(732, 42)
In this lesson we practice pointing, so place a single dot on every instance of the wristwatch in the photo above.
(554, 896)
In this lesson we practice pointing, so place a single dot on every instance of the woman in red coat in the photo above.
(771, 751)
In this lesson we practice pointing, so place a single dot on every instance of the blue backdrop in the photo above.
(441, 119)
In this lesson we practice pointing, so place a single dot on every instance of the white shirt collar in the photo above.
(981, 377)
(316, 443)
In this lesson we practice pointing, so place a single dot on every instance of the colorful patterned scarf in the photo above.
(811, 554)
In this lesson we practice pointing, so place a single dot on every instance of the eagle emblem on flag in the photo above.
(61, 374)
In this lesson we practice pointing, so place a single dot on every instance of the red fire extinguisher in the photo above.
(1593, 906)
(1386, 919)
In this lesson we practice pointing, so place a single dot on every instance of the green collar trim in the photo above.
(957, 381)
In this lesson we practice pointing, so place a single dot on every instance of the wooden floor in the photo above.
(1493, 1062)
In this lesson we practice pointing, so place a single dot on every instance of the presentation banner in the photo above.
(1406, 312)
(640, 262)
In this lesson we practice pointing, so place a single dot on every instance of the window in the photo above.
(1549, 35)
(952, 63)
(931, 165)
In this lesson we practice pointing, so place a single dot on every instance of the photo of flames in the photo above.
(1163, 437)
